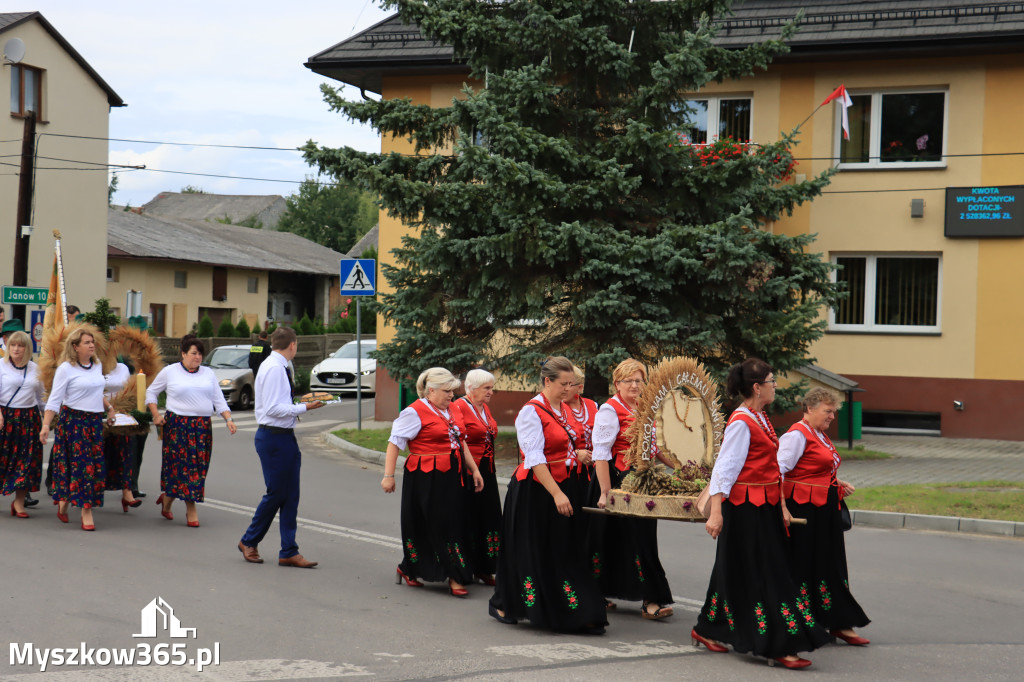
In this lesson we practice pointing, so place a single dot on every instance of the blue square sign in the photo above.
(358, 277)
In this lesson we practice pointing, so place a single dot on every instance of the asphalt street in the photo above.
(944, 606)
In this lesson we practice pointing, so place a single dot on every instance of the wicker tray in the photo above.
(674, 507)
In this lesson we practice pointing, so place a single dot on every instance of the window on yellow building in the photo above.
(894, 130)
(26, 90)
(898, 293)
(716, 117)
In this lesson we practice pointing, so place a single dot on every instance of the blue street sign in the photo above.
(358, 277)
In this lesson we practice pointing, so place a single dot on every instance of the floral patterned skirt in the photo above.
(188, 443)
(483, 515)
(753, 603)
(818, 554)
(21, 452)
(79, 475)
(623, 553)
(435, 543)
(117, 452)
(543, 574)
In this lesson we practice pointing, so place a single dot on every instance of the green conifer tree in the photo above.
(205, 329)
(226, 329)
(571, 215)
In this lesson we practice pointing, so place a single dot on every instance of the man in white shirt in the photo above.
(279, 453)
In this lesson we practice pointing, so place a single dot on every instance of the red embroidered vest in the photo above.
(621, 444)
(585, 439)
(758, 480)
(557, 447)
(814, 471)
(479, 437)
(432, 447)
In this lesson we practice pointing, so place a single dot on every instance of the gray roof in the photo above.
(830, 379)
(368, 241)
(267, 208)
(9, 20)
(835, 27)
(131, 235)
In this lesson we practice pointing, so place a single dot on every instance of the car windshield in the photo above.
(349, 351)
(233, 358)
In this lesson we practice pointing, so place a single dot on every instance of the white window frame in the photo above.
(874, 161)
(714, 110)
(870, 281)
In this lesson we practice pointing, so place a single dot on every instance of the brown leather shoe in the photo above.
(297, 561)
(250, 554)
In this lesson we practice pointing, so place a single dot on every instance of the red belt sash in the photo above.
(428, 463)
(756, 493)
(804, 490)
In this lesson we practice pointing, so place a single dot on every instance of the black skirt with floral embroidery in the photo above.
(543, 574)
(753, 603)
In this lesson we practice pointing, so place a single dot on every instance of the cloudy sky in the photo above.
(213, 72)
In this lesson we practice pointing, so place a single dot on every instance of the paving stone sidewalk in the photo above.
(924, 459)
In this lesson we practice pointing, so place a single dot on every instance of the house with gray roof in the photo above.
(254, 210)
(185, 269)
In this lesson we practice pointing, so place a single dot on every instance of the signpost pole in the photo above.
(359, 366)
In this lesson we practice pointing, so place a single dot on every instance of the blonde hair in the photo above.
(818, 395)
(75, 338)
(628, 368)
(475, 378)
(580, 375)
(437, 378)
(18, 339)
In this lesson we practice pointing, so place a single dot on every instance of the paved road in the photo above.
(944, 606)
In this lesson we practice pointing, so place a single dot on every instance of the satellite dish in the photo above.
(14, 50)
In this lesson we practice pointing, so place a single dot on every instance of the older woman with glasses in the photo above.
(623, 551)
(812, 490)
(752, 601)
(434, 542)
(483, 507)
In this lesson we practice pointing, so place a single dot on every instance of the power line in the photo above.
(176, 144)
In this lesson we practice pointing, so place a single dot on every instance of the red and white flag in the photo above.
(844, 99)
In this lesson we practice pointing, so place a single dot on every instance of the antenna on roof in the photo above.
(14, 50)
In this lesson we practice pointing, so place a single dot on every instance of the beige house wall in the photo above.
(155, 279)
(72, 201)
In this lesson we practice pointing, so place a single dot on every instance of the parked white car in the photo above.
(337, 372)
(231, 365)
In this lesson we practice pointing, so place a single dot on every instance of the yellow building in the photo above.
(72, 104)
(935, 311)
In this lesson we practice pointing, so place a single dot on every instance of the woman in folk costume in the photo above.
(78, 395)
(21, 396)
(812, 490)
(117, 448)
(624, 551)
(483, 507)
(752, 602)
(543, 574)
(584, 410)
(435, 546)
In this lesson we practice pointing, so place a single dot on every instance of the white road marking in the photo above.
(227, 671)
(569, 651)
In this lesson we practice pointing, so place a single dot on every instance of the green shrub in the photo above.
(242, 330)
(205, 327)
(226, 329)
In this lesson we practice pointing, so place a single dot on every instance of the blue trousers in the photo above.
(281, 462)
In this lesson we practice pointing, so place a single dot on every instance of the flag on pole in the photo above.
(54, 317)
(844, 99)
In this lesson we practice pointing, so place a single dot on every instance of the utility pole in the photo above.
(25, 182)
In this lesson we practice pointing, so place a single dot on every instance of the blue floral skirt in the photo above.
(117, 451)
(79, 471)
(21, 452)
(188, 443)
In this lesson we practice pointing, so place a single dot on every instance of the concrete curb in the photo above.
(878, 519)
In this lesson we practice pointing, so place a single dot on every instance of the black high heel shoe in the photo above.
(411, 582)
(493, 613)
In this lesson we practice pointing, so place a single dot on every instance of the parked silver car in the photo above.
(231, 365)
(337, 372)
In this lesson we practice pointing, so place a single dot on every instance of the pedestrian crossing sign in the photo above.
(358, 277)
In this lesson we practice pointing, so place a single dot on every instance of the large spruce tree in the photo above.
(558, 210)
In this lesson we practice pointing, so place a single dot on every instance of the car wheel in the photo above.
(244, 399)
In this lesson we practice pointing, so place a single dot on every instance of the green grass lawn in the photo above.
(507, 449)
(1001, 500)
(858, 452)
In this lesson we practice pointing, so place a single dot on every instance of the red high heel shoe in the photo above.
(711, 645)
(62, 516)
(853, 641)
(411, 582)
(166, 514)
(485, 579)
(192, 524)
(798, 664)
(89, 527)
(133, 504)
(20, 515)
(456, 591)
